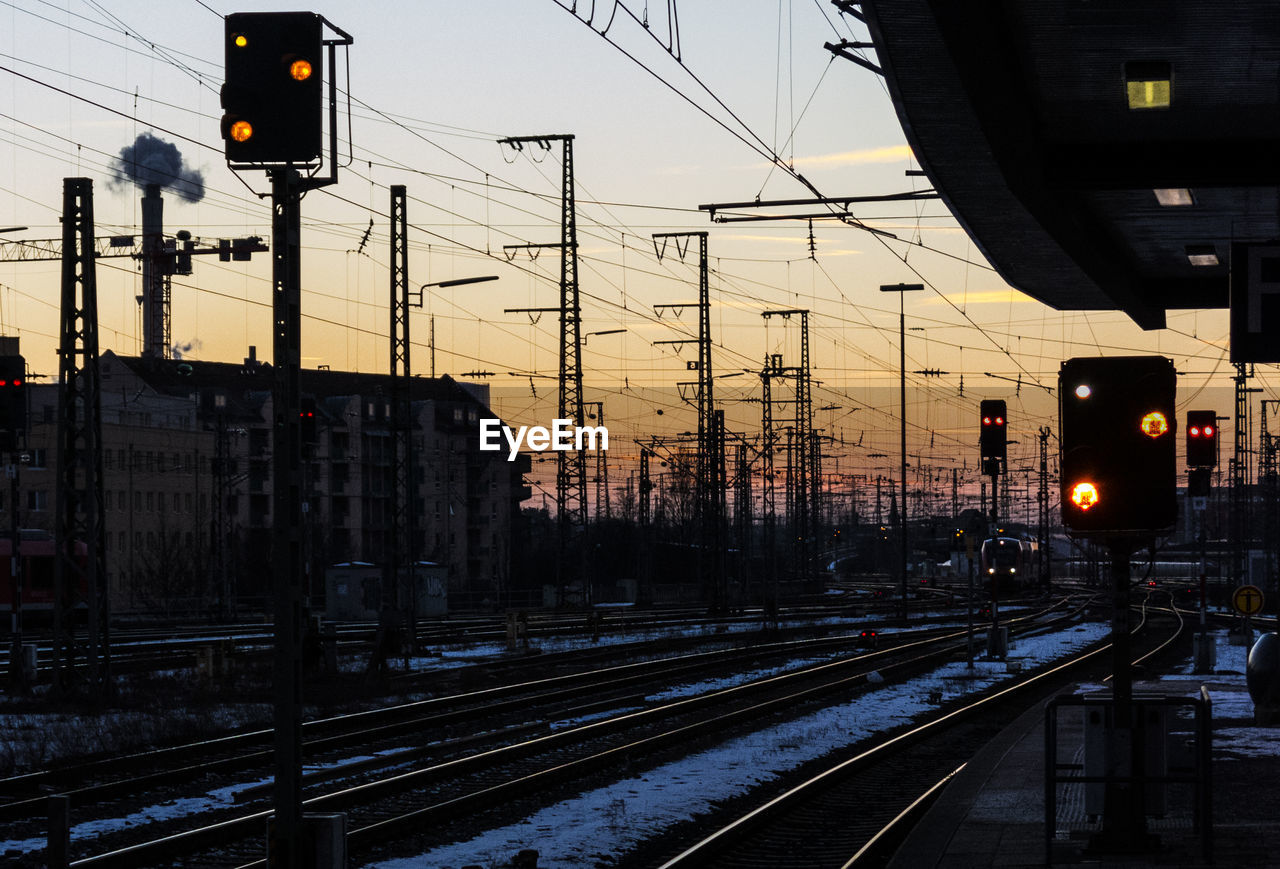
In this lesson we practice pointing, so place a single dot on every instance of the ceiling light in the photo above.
(1169, 196)
(1202, 255)
(1149, 84)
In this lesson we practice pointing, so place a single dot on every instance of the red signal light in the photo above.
(1208, 431)
(1193, 432)
(986, 420)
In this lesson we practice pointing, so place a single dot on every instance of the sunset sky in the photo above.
(434, 85)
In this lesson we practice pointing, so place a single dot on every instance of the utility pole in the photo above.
(709, 479)
(1042, 542)
(13, 433)
(742, 498)
(901, 290)
(79, 519)
(1240, 527)
(801, 478)
(571, 465)
(646, 486)
(402, 531)
(602, 468)
(769, 498)
(1267, 483)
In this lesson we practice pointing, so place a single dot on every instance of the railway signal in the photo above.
(1118, 454)
(1202, 438)
(272, 99)
(13, 399)
(307, 420)
(993, 437)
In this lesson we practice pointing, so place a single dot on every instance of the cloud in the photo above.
(888, 154)
(980, 297)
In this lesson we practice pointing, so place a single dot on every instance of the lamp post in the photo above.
(902, 289)
(453, 282)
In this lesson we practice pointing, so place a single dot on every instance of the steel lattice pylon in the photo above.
(1239, 479)
(803, 462)
(79, 516)
(571, 465)
(401, 526)
(710, 467)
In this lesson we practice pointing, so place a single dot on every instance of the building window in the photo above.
(187, 499)
(39, 457)
(37, 500)
(177, 502)
(151, 501)
(106, 460)
(137, 502)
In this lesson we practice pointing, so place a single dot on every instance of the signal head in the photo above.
(1084, 495)
(1154, 424)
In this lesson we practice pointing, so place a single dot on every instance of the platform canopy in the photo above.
(1103, 154)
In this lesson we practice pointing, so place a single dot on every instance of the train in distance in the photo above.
(36, 549)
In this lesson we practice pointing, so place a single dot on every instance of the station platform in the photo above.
(992, 812)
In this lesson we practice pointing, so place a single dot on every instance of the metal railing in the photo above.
(1059, 772)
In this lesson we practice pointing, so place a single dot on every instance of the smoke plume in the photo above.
(151, 160)
(179, 351)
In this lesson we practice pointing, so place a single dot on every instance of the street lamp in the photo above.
(452, 282)
(901, 290)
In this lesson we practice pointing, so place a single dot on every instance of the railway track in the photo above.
(98, 780)
(541, 764)
(855, 810)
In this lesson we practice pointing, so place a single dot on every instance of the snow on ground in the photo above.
(167, 811)
(29, 740)
(217, 799)
(453, 655)
(220, 798)
(603, 823)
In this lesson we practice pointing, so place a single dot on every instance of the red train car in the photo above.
(37, 553)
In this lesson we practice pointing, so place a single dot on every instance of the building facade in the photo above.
(187, 483)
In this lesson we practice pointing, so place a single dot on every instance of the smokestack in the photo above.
(155, 305)
(152, 163)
